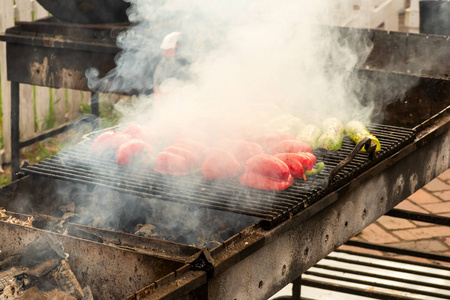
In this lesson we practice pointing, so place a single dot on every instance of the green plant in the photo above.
(5, 179)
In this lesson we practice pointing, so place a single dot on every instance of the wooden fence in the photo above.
(41, 108)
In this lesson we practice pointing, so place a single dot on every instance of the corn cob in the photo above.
(309, 134)
(356, 131)
(332, 134)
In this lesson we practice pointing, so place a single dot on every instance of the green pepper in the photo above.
(356, 131)
(332, 134)
(319, 167)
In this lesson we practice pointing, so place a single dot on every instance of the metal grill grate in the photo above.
(80, 165)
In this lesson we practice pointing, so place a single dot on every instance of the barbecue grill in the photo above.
(279, 235)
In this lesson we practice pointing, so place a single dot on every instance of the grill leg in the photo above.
(15, 130)
(296, 288)
(95, 109)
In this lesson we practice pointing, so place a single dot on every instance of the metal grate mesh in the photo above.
(80, 165)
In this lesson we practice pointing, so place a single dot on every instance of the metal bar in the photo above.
(417, 216)
(53, 132)
(296, 288)
(95, 109)
(384, 277)
(398, 250)
(15, 130)
(352, 290)
(368, 264)
(380, 285)
(393, 259)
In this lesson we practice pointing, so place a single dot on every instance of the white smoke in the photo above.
(240, 54)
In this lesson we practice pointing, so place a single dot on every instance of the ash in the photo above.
(185, 224)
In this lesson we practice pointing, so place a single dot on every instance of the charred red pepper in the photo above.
(265, 183)
(134, 150)
(175, 161)
(109, 140)
(268, 166)
(196, 147)
(264, 171)
(241, 149)
(294, 162)
(189, 155)
(291, 146)
(270, 140)
(306, 161)
(220, 164)
(141, 133)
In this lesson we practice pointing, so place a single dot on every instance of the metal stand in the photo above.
(16, 144)
(389, 266)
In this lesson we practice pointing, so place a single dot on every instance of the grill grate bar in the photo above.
(80, 165)
(144, 186)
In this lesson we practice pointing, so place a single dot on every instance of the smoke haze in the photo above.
(239, 54)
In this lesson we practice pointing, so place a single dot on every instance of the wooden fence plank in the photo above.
(26, 118)
(39, 11)
(6, 20)
(59, 106)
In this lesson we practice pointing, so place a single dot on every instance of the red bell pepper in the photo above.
(241, 149)
(264, 183)
(220, 164)
(189, 155)
(306, 161)
(172, 164)
(291, 146)
(267, 166)
(294, 162)
(311, 156)
(132, 150)
(141, 133)
(270, 140)
(109, 140)
(196, 147)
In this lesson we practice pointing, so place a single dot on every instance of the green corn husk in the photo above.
(332, 134)
(356, 131)
(309, 134)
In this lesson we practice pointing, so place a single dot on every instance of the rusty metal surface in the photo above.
(400, 52)
(294, 246)
(145, 245)
(402, 99)
(111, 273)
(55, 67)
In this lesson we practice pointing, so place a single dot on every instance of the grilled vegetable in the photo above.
(291, 146)
(269, 140)
(109, 140)
(332, 134)
(266, 172)
(309, 134)
(356, 131)
(319, 167)
(241, 149)
(307, 160)
(134, 150)
(196, 147)
(262, 182)
(285, 123)
(220, 164)
(175, 161)
(141, 133)
(268, 166)
(293, 161)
